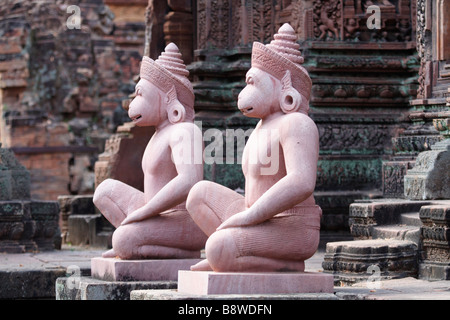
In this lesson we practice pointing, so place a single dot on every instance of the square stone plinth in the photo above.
(113, 269)
(208, 282)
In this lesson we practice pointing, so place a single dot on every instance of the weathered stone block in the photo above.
(81, 229)
(352, 261)
(430, 177)
(365, 215)
(29, 284)
(82, 204)
(20, 180)
(5, 185)
(14, 178)
(434, 270)
(435, 233)
(28, 225)
(393, 178)
(88, 288)
(81, 224)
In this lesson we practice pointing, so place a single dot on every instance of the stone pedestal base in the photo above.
(112, 269)
(208, 282)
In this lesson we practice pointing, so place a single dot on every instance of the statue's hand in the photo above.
(238, 220)
(136, 216)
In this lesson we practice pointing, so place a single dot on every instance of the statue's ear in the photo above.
(175, 110)
(290, 98)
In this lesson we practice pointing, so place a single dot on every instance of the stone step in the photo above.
(357, 260)
(411, 219)
(397, 232)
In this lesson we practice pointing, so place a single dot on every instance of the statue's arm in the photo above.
(299, 140)
(189, 169)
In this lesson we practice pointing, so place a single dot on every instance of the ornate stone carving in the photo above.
(350, 137)
(423, 44)
(435, 232)
(351, 261)
(393, 177)
(327, 19)
(430, 177)
(346, 20)
(213, 19)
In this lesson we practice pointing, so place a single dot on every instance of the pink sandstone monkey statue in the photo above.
(275, 227)
(155, 223)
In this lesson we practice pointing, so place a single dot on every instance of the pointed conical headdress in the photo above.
(281, 55)
(169, 71)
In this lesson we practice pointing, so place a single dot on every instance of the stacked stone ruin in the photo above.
(26, 225)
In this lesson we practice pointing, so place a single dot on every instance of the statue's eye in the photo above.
(250, 80)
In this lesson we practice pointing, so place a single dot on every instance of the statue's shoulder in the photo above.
(184, 129)
(296, 118)
(297, 123)
(182, 125)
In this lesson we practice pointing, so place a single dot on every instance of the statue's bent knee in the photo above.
(221, 250)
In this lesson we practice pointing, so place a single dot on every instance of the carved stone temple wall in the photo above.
(363, 80)
(406, 233)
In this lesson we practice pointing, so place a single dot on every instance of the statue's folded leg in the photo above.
(210, 204)
(166, 236)
(116, 200)
(282, 243)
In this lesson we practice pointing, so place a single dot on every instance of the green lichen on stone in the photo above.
(228, 175)
(349, 174)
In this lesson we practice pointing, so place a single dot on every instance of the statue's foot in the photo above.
(109, 254)
(202, 266)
